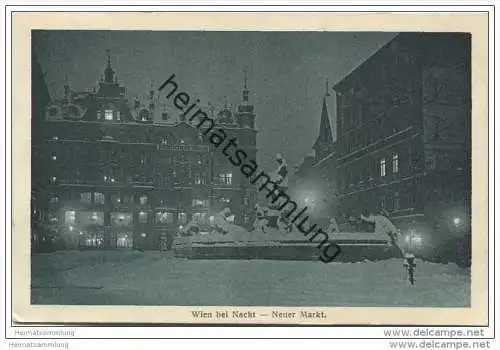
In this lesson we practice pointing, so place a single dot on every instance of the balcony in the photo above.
(92, 183)
(123, 206)
(107, 183)
(183, 148)
(108, 138)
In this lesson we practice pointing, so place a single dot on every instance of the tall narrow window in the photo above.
(197, 179)
(382, 167)
(410, 160)
(70, 217)
(108, 114)
(182, 218)
(396, 201)
(430, 161)
(143, 217)
(395, 163)
(382, 202)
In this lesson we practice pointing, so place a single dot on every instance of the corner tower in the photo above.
(325, 142)
(245, 116)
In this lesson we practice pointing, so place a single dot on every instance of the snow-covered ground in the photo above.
(157, 278)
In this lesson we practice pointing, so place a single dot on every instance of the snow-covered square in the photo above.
(158, 278)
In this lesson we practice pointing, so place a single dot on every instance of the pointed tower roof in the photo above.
(108, 85)
(245, 106)
(245, 88)
(108, 72)
(325, 135)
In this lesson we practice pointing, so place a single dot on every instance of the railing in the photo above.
(177, 148)
(104, 183)
(142, 183)
(124, 206)
(84, 182)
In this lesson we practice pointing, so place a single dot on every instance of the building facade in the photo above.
(120, 174)
(403, 133)
(40, 97)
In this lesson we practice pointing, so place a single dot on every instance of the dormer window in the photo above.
(144, 115)
(108, 114)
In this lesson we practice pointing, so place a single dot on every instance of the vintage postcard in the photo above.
(250, 168)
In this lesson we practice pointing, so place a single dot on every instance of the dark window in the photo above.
(411, 200)
(396, 201)
(430, 162)
(382, 202)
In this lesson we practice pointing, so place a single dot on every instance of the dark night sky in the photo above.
(286, 72)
